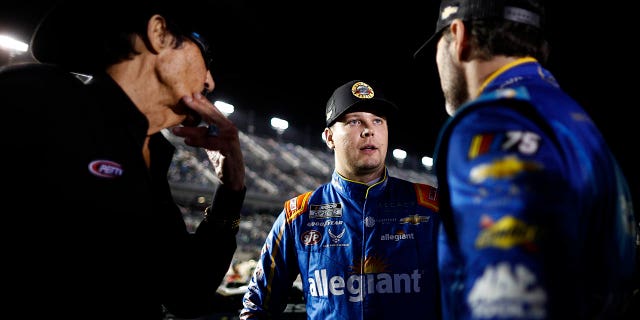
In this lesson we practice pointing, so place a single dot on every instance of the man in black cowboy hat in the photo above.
(104, 237)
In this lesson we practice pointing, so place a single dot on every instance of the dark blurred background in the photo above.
(284, 58)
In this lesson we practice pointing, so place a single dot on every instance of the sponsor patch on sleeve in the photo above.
(507, 167)
(296, 206)
(427, 196)
(518, 141)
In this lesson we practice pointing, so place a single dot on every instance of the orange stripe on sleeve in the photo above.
(296, 206)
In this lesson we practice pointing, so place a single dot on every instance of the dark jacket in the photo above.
(97, 234)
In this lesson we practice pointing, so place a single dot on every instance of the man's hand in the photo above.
(220, 139)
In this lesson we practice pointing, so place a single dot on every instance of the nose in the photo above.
(366, 132)
(209, 84)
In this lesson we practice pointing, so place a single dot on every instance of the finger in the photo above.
(204, 107)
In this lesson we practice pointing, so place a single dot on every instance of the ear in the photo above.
(460, 39)
(158, 36)
(328, 138)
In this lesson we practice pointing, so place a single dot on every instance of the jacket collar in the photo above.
(357, 190)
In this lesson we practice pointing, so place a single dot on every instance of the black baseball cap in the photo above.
(529, 12)
(357, 95)
(72, 32)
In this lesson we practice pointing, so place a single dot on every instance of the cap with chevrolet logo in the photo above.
(529, 12)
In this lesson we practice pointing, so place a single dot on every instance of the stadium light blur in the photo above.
(399, 155)
(12, 44)
(427, 162)
(224, 107)
(280, 125)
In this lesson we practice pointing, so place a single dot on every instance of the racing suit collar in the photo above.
(514, 73)
(358, 190)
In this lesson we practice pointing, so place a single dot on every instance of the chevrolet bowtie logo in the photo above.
(447, 12)
(414, 219)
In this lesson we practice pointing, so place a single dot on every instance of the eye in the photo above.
(203, 45)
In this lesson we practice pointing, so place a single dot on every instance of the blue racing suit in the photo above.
(363, 252)
(537, 216)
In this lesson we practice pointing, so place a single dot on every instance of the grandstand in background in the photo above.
(275, 171)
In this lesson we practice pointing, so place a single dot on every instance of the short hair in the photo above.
(117, 44)
(492, 37)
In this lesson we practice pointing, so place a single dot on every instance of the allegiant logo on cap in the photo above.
(362, 90)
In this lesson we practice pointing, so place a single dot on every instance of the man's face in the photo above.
(452, 78)
(360, 142)
(184, 71)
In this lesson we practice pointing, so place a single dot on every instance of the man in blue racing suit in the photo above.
(363, 244)
(537, 215)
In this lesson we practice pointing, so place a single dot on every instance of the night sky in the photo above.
(285, 58)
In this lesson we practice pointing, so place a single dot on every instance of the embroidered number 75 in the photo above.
(526, 142)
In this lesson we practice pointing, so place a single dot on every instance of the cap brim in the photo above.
(420, 53)
(378, 106)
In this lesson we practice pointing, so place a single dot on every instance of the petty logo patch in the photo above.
(105, 169)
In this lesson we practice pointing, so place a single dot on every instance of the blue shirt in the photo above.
(537, 216)
(363, 252)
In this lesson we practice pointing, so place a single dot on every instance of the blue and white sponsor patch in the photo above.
(325, 211)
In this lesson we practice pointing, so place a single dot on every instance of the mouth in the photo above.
(369, 147)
